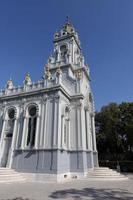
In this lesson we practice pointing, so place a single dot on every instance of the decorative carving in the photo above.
(44, 99)
(27, 80)
(9, 84)
(78, 74)
(48, 73)
(58, 71)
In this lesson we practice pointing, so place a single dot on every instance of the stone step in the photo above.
(100, 168)
(101, 172)
(10, 175)
(104, 169)
(103, 178)
(111, 175)
(12, 180)
(8, 172)
(105, 173)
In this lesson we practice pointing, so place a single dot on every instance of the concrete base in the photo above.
(39, 177)
(55, 165)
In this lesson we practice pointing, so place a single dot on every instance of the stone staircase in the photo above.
(104, 173)
(10, 175)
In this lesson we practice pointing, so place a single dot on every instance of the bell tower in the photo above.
(67, 48)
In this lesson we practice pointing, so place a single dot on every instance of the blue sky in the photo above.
(106, 32)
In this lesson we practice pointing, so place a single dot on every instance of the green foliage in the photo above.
(114, 128)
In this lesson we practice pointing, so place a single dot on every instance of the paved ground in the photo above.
(75, 190)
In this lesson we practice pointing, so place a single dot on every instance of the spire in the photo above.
(66, 31)
(68, 21)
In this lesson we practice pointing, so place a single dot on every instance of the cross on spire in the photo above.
(68, 20)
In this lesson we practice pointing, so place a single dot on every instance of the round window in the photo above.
(32, 111)
(11, 114)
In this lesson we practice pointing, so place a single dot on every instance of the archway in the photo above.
(7, 140)
(32, 112)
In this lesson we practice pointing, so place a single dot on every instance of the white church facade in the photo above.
(48, 128)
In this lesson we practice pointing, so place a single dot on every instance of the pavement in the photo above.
(74, 190)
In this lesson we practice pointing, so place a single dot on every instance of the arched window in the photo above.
(10, 123)
(32, 112)
(63, 50)
(56, 55)
(11, 114)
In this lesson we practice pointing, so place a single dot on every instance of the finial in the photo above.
(68, 19)
(10, 77)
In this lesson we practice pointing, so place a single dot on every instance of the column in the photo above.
(79, 129)
(93, 133)
(37, 134)
(83, 128)
(14, 133)
(2, 134)
(55, 125)
(13, 145)
(59, 123)
(90, 132)
(45, 124)
(1, 121)
(19, 128)
(42, 126)
(62, 131)
(2, 139)
(86, 129)
(69, 134)
(89, 138)
(78, 90)
(24, 133)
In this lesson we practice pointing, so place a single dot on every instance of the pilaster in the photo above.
(45, 123)
(24, 133)
(62, 131)
(93, 132)
(56, 119)
(37, 134)
(42, 125)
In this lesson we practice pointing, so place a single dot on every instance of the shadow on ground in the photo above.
(93, 194)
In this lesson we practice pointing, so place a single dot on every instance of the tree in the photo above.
(114, 128)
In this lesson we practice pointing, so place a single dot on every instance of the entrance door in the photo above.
(6, 151)
(7, 138)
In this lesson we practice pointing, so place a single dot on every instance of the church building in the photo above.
(47, 128)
